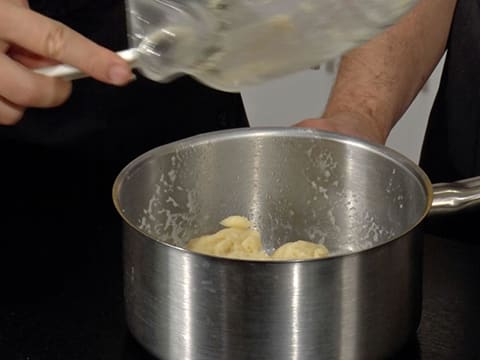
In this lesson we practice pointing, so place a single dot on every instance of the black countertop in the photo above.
(79, 315)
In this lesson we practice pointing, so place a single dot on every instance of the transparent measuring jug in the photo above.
(233, 44)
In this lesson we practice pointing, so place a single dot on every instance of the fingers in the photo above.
(29, 40)
(4, 47)
(10, 113)
(22, 87)
(53, 40)
(350, 124)
(28, 58)
(312, 123)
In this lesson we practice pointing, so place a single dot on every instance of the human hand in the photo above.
(30, 40)
(350, 124)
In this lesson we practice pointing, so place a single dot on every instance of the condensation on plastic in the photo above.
(233, 44)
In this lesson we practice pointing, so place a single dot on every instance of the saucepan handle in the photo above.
(454, 196)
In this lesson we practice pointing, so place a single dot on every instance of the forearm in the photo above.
(379, 80)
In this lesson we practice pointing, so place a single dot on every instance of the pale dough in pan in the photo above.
(238, 240)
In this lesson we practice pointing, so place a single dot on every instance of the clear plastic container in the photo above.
(232, 44)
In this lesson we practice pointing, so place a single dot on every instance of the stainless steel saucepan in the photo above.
(364, 202)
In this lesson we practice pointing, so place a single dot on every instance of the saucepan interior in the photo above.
(291, 183)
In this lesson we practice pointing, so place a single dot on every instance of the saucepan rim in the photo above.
(208, 137)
